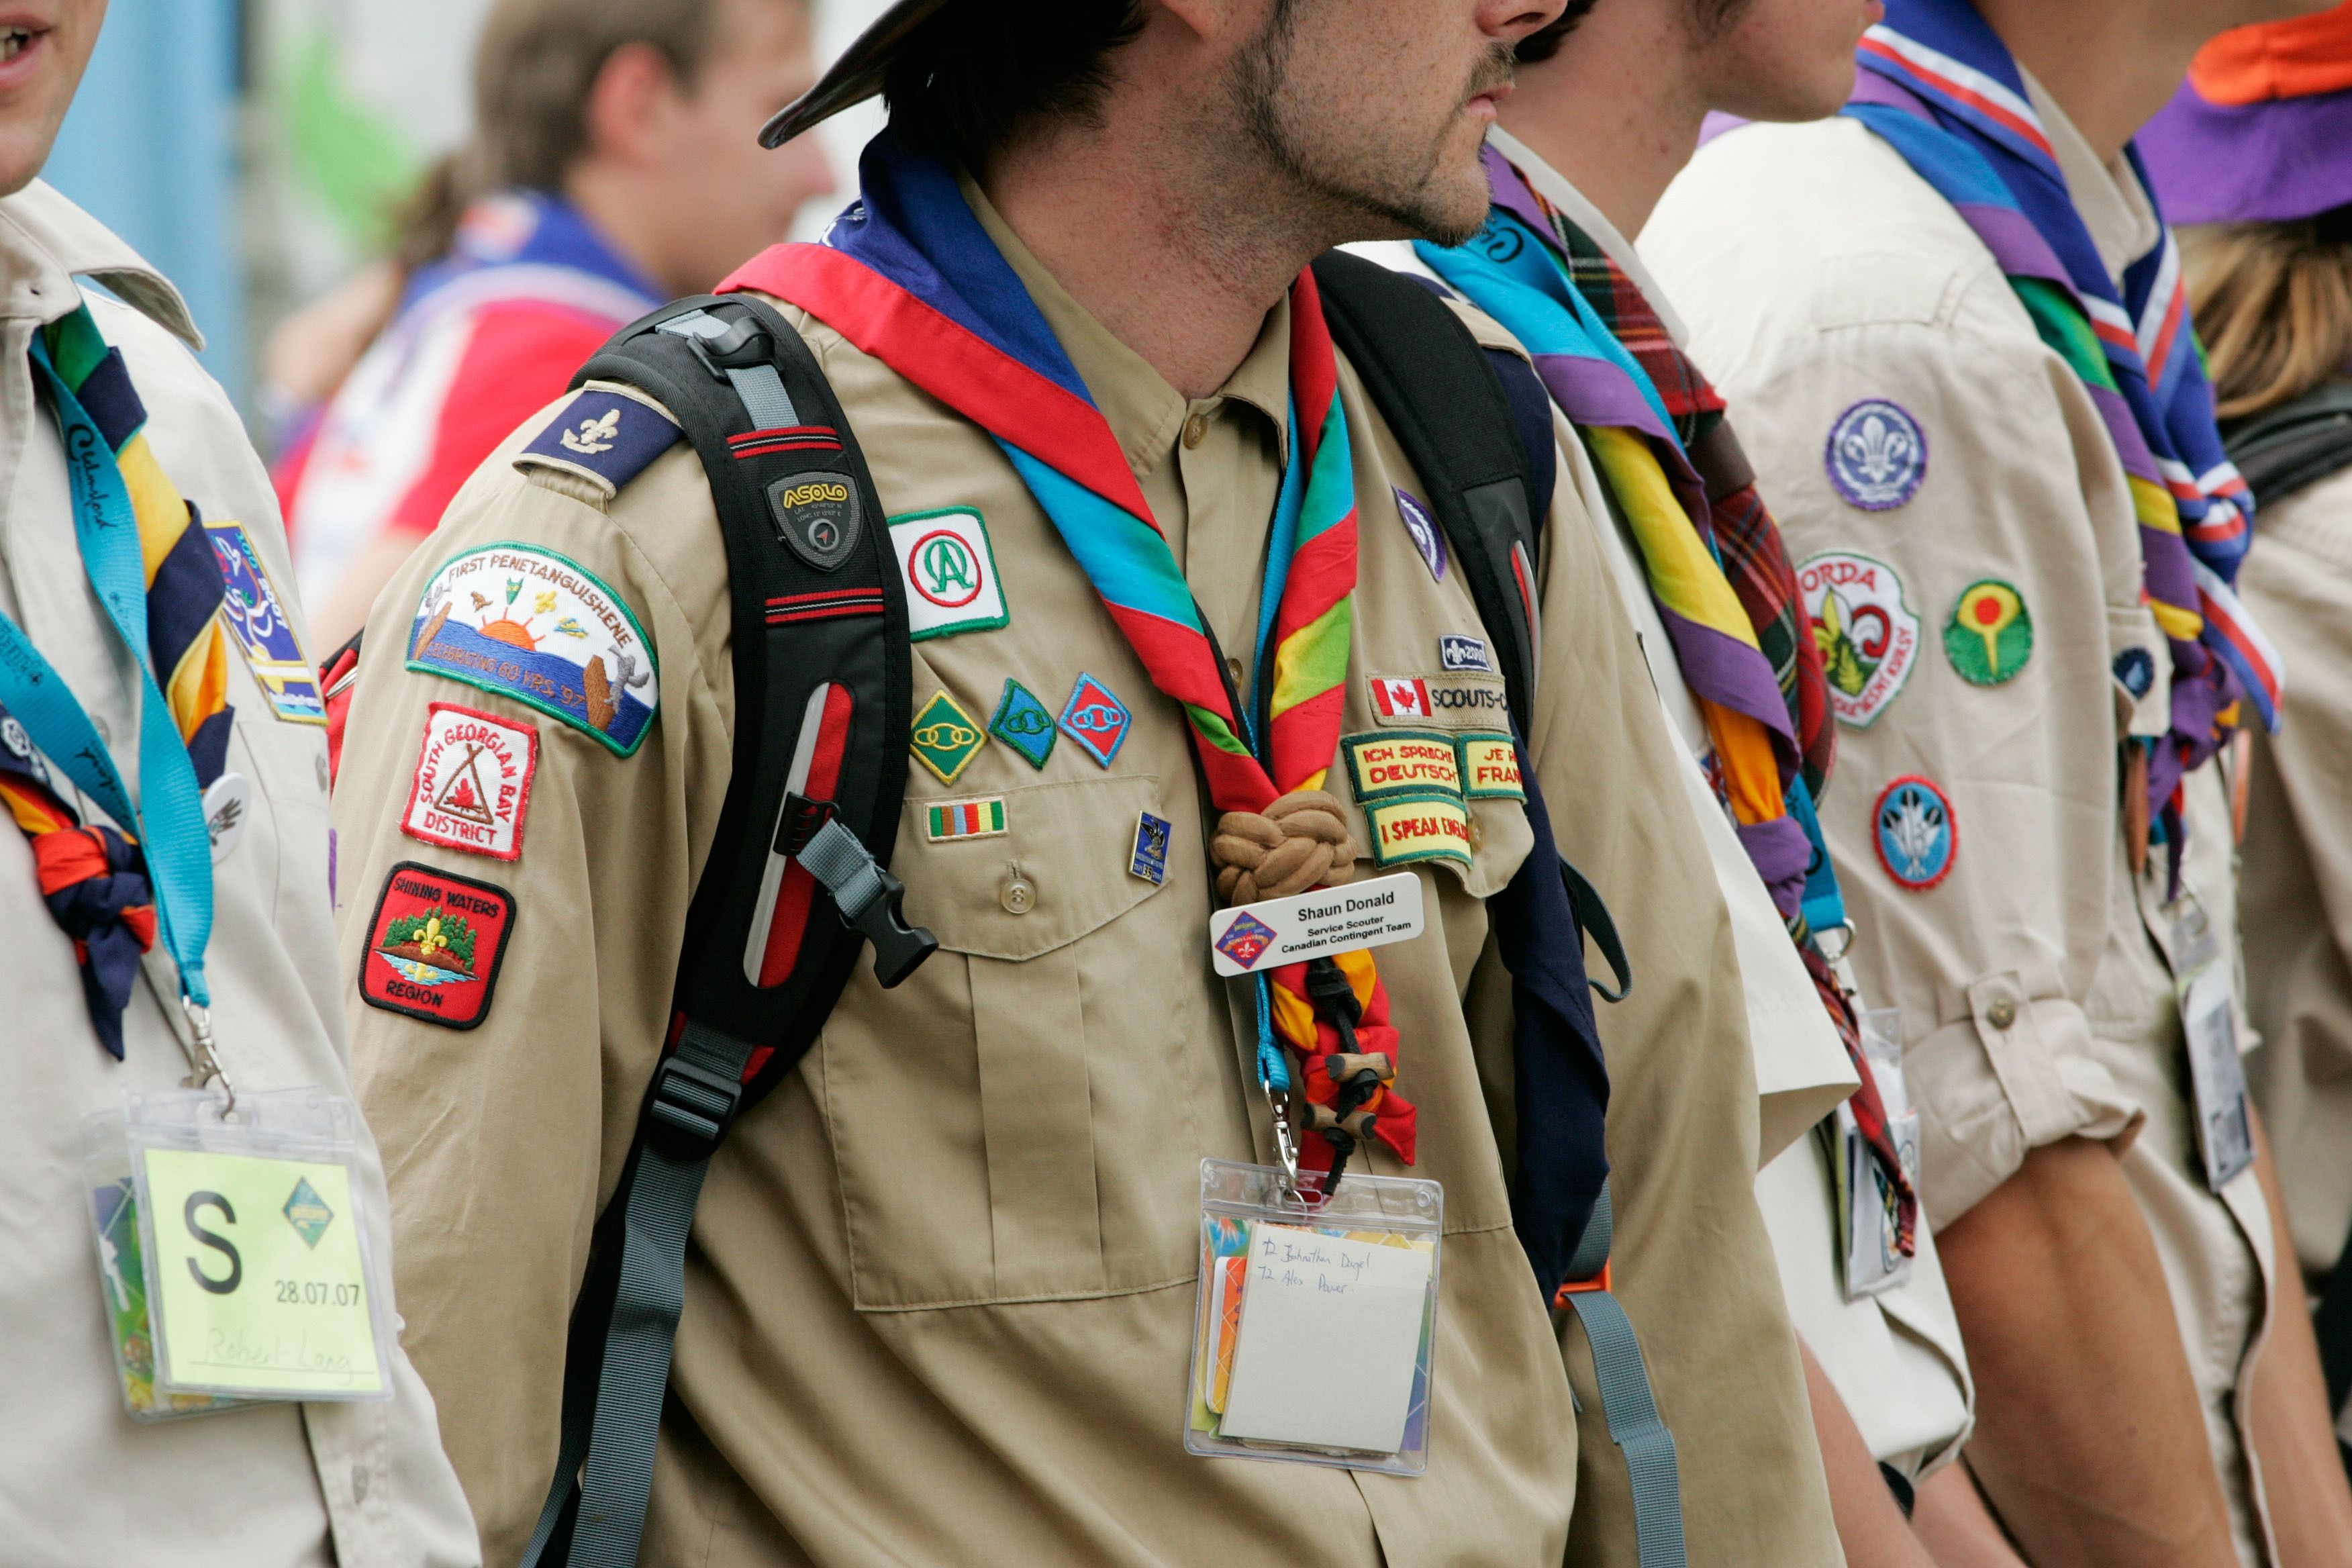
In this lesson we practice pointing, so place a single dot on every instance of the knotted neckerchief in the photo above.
(1555, 282)
(1940, 87)
(93, 879)
(909, 275)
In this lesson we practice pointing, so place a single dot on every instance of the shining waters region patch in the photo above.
(434, 946)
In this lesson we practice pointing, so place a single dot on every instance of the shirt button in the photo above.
(1477, 834)
(1196, 429)
(105, 730)
(2001, 1014)
(321, 761)
(1019, 897)
(359, 1483)
(1234, 669)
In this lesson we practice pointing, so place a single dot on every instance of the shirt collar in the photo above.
(2114, 207)
(1575, 206)
(1144, 411)
(46, 242)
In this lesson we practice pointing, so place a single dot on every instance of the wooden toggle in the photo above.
(1357, 1124)
(1341, 1066)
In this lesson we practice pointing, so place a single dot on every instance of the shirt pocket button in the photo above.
(1019, 895)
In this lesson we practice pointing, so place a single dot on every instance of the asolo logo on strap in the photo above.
(817, 516)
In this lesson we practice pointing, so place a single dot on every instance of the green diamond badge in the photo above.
(945, 738)
(308, 1213)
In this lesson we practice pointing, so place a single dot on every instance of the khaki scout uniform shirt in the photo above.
(943, 1286)
(2296, 885)
(1816, 272)
(80, 1483)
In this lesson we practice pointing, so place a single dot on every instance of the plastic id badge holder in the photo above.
(1870, 1224)
(233, 1250)
(2217, 1074)
(1316, 1318)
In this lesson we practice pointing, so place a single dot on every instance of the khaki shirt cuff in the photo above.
(2014, 1075)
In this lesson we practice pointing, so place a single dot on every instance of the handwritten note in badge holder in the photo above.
(1317, 1319)
(259, 1278)
(2217, 1074)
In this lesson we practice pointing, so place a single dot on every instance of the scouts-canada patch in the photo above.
(1990, 633)
(434, 946)
(950, 573)
(1868, 637)
(472, 785)
(1913, 828)
(1401, 761)
(1420, 827)
(539, 628)
(1490, 768)
(1449, 701)
(946, 821)
(1456, 650)
(256, 617)
(606, 437)
(1878, 455)
(945, 738)
(1149, 859)
(1024, 723)
(1427, 538)
(1095, 719)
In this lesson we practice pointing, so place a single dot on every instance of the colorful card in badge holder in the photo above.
(123, 1279)
(264, 1285)
(1314, 1338)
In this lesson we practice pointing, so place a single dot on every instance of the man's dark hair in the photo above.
(971, 78)
(1545, 41)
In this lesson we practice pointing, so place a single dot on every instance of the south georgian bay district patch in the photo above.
(539, 628)
(1876, 455)
(472, 785)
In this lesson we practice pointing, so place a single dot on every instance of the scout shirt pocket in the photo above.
(1016, 1122)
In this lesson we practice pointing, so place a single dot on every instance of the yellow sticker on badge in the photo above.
(1421, 827)
(1401, 762)
(257, 1283)
(1490, 768)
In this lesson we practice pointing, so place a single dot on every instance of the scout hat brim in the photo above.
(856, 76)
(2261, 131)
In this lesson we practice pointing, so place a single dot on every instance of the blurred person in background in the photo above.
(163, 892)
(612, 166)
(2255, 154)
(1951, 320)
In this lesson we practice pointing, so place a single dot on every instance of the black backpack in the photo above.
(2295, 445)
(822, 671)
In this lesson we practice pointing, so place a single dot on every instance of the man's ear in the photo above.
(627, 102)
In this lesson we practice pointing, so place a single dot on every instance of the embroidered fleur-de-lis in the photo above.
(594, 435)
(1879, 450)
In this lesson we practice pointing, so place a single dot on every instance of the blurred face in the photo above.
(44, 44)
(1377, 108)
(1778, 59)
(726, 196)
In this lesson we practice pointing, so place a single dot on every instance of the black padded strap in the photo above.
(2295, 445)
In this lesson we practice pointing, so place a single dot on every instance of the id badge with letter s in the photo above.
(259, 1278)
(2217, 1074)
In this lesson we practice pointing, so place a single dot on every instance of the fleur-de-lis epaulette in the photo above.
(606, 436)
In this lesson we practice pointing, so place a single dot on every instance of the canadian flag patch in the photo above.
(1400, 698)
(473, 782)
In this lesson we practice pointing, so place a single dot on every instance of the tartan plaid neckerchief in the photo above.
(1940, 87)
(909, 275)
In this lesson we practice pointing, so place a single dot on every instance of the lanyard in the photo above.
(169, 819)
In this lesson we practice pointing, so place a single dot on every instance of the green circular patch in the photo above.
(1989, 636)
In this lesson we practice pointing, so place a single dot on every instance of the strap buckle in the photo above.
(800, 820)
(1582, 1287)
(691, 1109)
(869, 900)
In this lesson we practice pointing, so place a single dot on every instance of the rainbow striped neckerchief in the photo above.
(909, 274)
(1940, 87)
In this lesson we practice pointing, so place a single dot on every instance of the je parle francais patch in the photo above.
(1868, 637)
(472, 784)
(434, 944)
(1490, 768)
(538, 627)
(949, 571)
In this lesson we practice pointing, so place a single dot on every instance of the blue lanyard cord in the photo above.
(169, 819)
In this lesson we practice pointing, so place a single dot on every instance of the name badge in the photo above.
(1247, 938)
(2217, 1074)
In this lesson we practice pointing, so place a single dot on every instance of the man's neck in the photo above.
(609, 199)
(1614, 112)
(1179, 260)
(2110, 64)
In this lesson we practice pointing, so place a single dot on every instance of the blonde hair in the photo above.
(2272, 303)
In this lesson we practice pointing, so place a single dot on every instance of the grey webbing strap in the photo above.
(695, 1095)
(835, 856)
(1627, 1403)
(759, 386)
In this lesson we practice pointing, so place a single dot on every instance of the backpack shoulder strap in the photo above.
(2295, 445)
(1475, 424)
(819, 649)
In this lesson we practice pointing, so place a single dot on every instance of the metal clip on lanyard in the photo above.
(168, 821)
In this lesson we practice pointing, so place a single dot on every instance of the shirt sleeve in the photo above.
(1953, 506)
(504, 1119)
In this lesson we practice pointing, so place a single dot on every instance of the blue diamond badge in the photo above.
(308, 1213)
(1024, 723)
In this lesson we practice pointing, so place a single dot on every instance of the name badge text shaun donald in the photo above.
(1249, 938)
